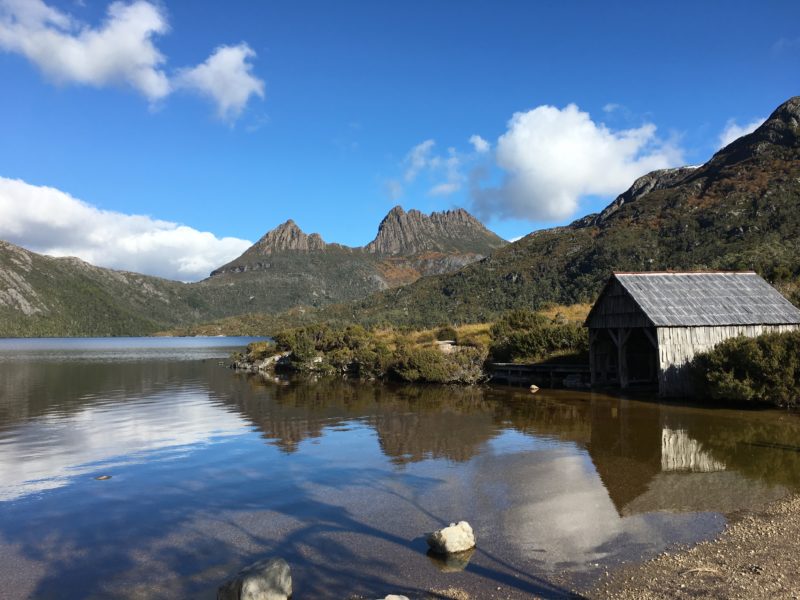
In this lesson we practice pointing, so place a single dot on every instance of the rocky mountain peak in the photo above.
(405, 233)
(778, 137)
(655, 180)
(288, 236)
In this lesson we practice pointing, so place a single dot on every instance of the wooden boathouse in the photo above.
(645, 328)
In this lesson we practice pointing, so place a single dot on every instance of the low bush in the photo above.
(765, 369)
(260, 350)
(446, 332)
(527, 335)
(464, 365)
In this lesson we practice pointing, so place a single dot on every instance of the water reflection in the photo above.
(211, 469)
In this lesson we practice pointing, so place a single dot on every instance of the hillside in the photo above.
(44, 296)
(741, 210)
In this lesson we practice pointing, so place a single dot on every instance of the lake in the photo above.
(211, 470)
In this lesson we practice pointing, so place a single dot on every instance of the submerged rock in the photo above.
(269, 579)
(451, 563)
(458, 537)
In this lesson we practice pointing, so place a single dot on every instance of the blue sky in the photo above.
(229, 118)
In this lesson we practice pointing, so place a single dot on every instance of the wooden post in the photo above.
(592, 356)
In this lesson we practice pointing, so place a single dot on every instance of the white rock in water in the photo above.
(269, 579)
(455, 538)
(394, 597)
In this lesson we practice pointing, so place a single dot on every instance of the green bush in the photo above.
(524, 334)
(765, 369)
(430, 365)
(260, 350)
(446, 332)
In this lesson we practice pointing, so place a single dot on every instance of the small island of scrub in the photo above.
(448, 354)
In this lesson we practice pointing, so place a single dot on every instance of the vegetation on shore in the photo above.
(445, 354)
(765, 370)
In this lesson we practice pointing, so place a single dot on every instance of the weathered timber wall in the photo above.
(615, 308)
(677, 346)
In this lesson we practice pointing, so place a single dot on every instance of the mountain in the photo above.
(412, 232)
(46, 296)
(288, 268)
(740, 210)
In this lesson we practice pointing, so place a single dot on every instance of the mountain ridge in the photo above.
(286, 268)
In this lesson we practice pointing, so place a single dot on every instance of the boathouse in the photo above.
(645, 328)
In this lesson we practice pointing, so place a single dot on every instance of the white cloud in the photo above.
(122, 51)
(227, 78)
(421, 158)
(49, 221)
(733, 131)
(611, 107)
(418, 158)
(479, 144)
(444, 189)
(552, 157)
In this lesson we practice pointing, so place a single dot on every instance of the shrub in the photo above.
(446, 332)
(260, 350)
(430, 365)
(524, 334)
(765, 369)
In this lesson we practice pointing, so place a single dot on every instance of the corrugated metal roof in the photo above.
(708, 299)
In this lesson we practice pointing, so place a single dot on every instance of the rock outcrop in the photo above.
(269, 579)
(413, 232)
(288, 236)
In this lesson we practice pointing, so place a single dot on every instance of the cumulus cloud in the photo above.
(422, 158)
(479, 144)
(552, 157)
(227, 78)
(122, 51)
(49, 221)
(733, 131)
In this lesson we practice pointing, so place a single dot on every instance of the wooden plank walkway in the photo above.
(542, 374)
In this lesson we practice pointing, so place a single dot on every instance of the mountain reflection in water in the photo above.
(211, 470)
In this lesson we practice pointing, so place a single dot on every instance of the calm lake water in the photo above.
(211, 470)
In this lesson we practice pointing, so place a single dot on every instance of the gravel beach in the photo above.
(758, 556)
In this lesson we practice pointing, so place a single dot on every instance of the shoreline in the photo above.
(756, 556)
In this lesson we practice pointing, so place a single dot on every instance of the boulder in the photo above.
(394, 597)
(458, 537)
(269, 579)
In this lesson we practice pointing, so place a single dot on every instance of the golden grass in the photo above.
(573, 313)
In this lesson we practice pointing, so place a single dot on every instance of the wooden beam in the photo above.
(651, 337)
(593, 356)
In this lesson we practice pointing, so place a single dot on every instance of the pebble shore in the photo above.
(757, 556)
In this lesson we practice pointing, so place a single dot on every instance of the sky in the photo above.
(165, 136)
